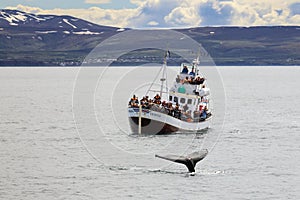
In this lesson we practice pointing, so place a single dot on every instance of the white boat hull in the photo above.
(153, 122)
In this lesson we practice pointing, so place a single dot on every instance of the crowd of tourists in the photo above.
(156, 104)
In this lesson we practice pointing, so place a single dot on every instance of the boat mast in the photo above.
(197, 63)
(163, 78)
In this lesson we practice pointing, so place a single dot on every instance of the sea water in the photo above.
(50, 149)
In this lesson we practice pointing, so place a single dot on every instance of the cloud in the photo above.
(153, 23)
(294, 19)
(257, 12)
(34, 10)
(215, 13)
(137, 2)
(152, 10)
(97, 1)
(108, 17)
(187, 13)
(183, 15)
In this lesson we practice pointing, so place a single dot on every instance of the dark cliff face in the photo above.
(29, 39)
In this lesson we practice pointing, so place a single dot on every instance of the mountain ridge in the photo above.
(29, 39)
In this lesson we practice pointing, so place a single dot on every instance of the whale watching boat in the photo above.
(185, 107)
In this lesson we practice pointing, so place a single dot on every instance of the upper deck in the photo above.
(189, 81)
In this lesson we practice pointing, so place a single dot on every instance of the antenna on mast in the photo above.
(196, 63)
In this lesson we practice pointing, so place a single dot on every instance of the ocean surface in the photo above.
(62, 139)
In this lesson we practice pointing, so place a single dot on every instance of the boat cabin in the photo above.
(189, 91)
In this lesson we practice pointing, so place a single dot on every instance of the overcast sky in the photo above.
(168, 13)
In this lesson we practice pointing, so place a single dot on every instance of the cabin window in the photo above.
(189, 101)
(182, 100)
(170, 98)
(176, 99)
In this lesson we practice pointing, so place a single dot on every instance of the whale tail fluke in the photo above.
(189, 161)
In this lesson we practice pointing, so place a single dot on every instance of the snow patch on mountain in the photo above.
(67, 22)
(49, 17)
(87, 33)
(45, 32)
(9, 18)
(16, 17)
(37, 18)
(20, 16)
